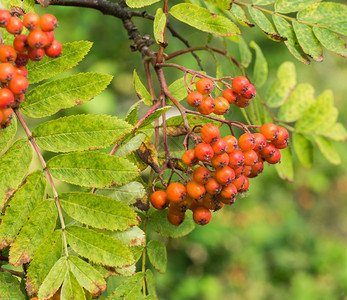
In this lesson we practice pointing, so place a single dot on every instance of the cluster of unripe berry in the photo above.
(34, 46)
(240, 94)
(225, 164)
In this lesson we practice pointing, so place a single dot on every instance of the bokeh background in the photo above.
(284, 240)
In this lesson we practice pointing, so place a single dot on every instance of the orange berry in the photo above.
(270, 131)
(195, 99)
(159, 200)
(213, 187)
(221, 106)
(220, 160)
(225, 175)
(232, 143)
(209, 133)
(176, 192)
(207, 106)
(175, 218)
(230, 95)
(202, 215)
(31, 20)
(204, 86)
(195, 190)
(204, 152)
(201, 175)
(189, 158)
(247, 141)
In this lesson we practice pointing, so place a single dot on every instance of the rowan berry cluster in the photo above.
(240, 94)
(221, 168)
(35, 45)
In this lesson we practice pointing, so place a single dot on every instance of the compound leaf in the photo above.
(287, 6)
(7, 134)
(71, 288)
(129, 289)
(14, 165)
(98, 248)
(337, 132)
(327, 149)
(157, 255)
(80, 132)
(330, 40)
(304, 149)
(92, 169)
(71, 55)
(98, 211)
(241, 16)
(203, 19)
(10, 287)
(23, 202)
(48, 98)
(39, 226)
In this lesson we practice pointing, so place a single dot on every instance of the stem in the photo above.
(49, 176)
(163, 44)
(152, 109)
(13, 272)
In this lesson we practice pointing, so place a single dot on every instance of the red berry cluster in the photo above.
(240, 94)
(34, 46)
(225, 166)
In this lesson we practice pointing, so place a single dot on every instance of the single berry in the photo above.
(220, 160)
(195, 190)
(5, 17)
(201, 175)
(245, 186)
(275, 158)
(250, 93)
(209, 133)
(220, 146)
(36, 54)
(202, 215)
(210, 202)
(260, 141)
(181, 206)
(242, 102)
(239, 171)
(18, 99)
(221, 106)
(15, 26)
(232, 143)
(7, 72)
(176, 192)
(247, 169)
(18, 85)
(247, 141)
(21, 71)
(204, 86)
(213, 187)
(225, 175)
(251, 157)
(37, 39)
(207, 106)
(195, 99)
(270, 131)
(282, 136)
(236, 159)
(204, 152)
(240, 84)
(22, 60)
(20, 43)
(48, 22)
(175, 218)
(239, 182)
(257, 169)
(268, 151)
(229, 192)
(31, 20)
(159, 200)
(54, 50)
(6, 114)
(7, 54)
(6, 98)
(189, 158)
(50, 37)
(230, 95)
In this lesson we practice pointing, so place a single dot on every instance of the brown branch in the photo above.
(13, 272)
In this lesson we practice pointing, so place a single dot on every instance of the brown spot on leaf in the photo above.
(77, 102)
(149, 155)
(213, 15)
(142, 204)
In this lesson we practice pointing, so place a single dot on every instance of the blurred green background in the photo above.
(284, 240)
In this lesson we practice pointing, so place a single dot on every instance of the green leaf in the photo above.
(308, 41)
(157, 255)
(80, 132)
(39, 226)
(21, 205)
(132, 237)
(327, 149)
(285, 167)
(45, 257)
(287, 6)
(203, 20)
(97, 247)
(304, 149)
(71, 288)
(98, 211)
(71, 55)
(340, 28)
(241, 16)
(158, 220)
(128, 193)
(330, 40)
(320, 116)
(87, 276)
(337, 132)
(260, 71)
(245, 53)
(151, 284)
(14, 165)
(155, 115)
(129, 288)
(159, 26)
(7, 134)
(27, 5)
(284, 84)
(49, 98)
(178, 88)
(54, 279)
(10, 287)
(264, 24)
(222, 4)
(131, 145)
(131, 116)
(286, 30)
(298, 102)
(140, 3)
(92, 169)
(141, 91)
(263, 2)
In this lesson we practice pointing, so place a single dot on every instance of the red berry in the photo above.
(15, 26)
(175, 218)
(7, 53)
(54, 50)
(229, 192)
(201, 175)
(257, 169)
(6, 98)
(195, 190)
(36, 54)
(270, 131)
(202, 215)
(242, 102)
(239, 171)
(18, 99)
(220, 160)
(251, 157)
(221, 106)
(50, 37)
(213, 187)
(240, 84)
(181, 206)
(260, 141)
(37, 39)
(247, 141)
(176, 192)
(207, 106)
(21, 71)
(48, 22)
(239, 182)
(209, 133)
(20, 43)
(31, 20)
(220, 146)
(236, 159)
(230, 95)
(204, 152)
(5, 17)
(225, 175)
(275, 158)
(22, 60)
(245, 186)
(195, 99)
(6, 114)
(210, 202)
(18, 85)
(250, 93)
(189, 158)
(247, 169)
(204, 86)
(7, 72)
(282, 136)
(268, 151)
(159, 200)
(232, 143)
